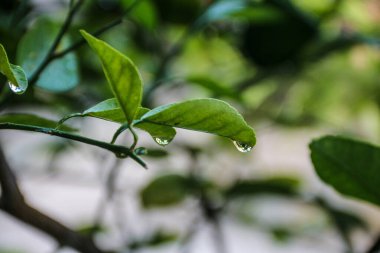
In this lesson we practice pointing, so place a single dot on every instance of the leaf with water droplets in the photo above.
(205, 115)
(17, 80)
(122, 75)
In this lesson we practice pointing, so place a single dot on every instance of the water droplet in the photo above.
(161, 141)
(242, 147)
(121, 155)
(141, 151)
(16, 89)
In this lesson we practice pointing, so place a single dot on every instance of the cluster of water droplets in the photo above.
(15, 88)
(243, 147)
(161, 141)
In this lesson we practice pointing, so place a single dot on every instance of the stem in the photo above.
(49, 56)
(135, 137)
(109, 193)
(219, 240)
(119, 151)
(119, 131)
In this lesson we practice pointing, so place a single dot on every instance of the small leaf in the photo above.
(17, 80)
(204, 115)
(351, 167)
(251, 188)
(165, 191)
(122, 76)
(110, 110)
(31, 120)
(62, 74)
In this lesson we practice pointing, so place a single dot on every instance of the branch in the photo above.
(12, 202)
(119, 151)
(375, 248)
(54, 46)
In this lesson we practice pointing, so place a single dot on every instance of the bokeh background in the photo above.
(296, 70)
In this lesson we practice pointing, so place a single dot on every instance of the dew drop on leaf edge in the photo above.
(16, 89)
(161, 141)
(242, 147)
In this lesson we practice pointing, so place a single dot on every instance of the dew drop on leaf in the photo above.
(16, 89)
(161, 141)
(242, 147)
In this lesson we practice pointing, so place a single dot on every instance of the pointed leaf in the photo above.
(31, 120)
(122, 76)
(204, 115)
(351, 167)
(17, 80)
(108, 110)
(62, 74)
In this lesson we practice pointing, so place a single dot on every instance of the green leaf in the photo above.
(250, 188)
(17, 80)
(351, 167)
(205, 115)
(162, 135)
(31, 120)
(165, 191)
(122, 76)
(62, 74)
(110, 110)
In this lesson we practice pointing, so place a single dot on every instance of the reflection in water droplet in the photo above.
(242, 147)
(121, 155)
(16, 89)
(141, 151)
(161, 141)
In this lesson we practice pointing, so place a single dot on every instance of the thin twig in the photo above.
(109, 190)
(49, 56)
(119, 151)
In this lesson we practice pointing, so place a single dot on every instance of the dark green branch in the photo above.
(119, 151)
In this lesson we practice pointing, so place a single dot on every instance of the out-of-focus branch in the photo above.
(97, 33)
(49, 57)
(12, 202)
(375, 248)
